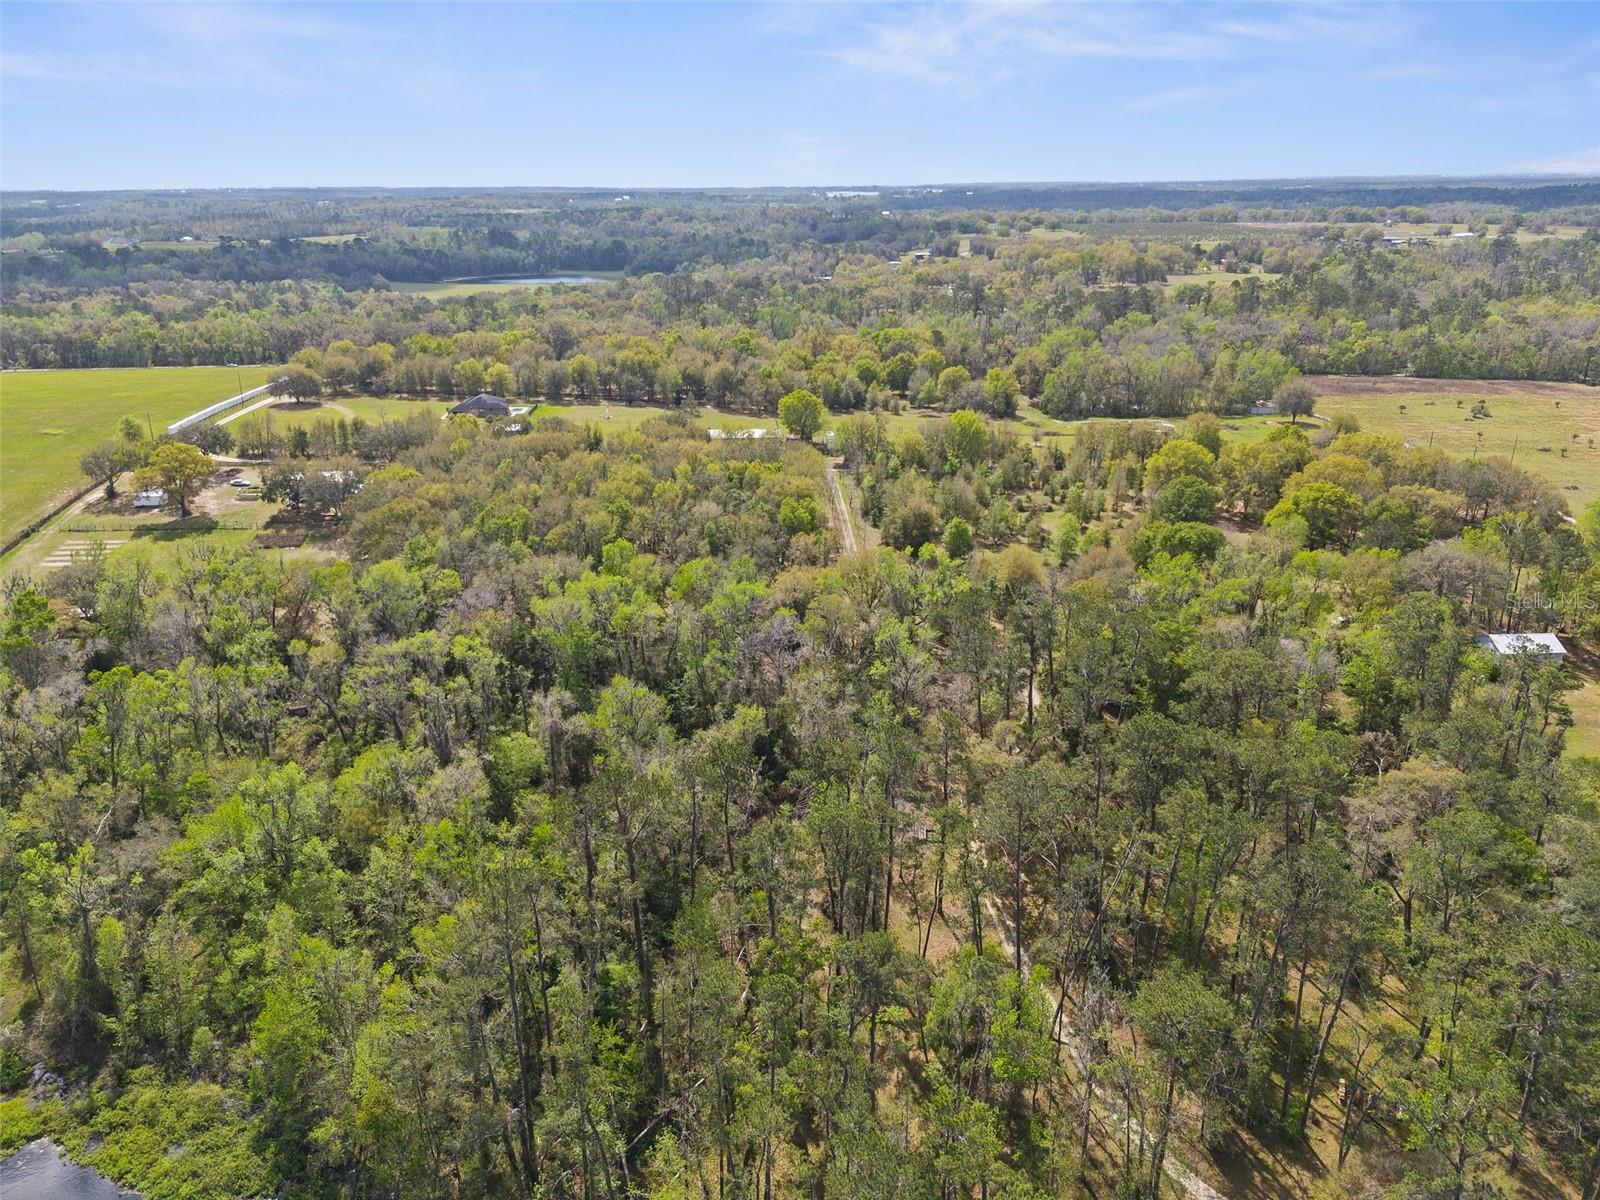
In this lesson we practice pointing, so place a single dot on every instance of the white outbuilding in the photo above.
(1506, 644)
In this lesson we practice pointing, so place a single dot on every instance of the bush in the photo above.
(1293, 1125)
(21, 1122)
(1187, 498)
(13, 1071)
(958, 538)
(1204, 542)
(911, 525)
(185, 1141)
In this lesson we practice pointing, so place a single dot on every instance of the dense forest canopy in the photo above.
(1088, 326)
(575, 816)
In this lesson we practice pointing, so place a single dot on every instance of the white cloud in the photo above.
(977, 42)
(1406, 71)
(210, 24)
(1292, 23)
(100, 69)
(220, 47)
(1579, 162)
(1174, 98)
(982, 42)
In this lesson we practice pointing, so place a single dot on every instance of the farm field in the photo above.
(455, 289)
(49, 418)
(1536, 421)
(1205, 277)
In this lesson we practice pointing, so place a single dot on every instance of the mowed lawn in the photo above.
(49, 418)
(1552, 430)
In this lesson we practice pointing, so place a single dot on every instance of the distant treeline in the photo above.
(1088, 326)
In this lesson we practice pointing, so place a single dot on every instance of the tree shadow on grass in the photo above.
(169, 531)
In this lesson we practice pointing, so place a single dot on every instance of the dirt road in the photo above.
(841, 511)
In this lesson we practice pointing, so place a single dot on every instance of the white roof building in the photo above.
(1505, 644)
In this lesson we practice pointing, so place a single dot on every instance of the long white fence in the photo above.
(221, 406)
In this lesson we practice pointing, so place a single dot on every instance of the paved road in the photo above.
(841, 512)
(248, 408)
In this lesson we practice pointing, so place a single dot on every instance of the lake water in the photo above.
(39, 1172)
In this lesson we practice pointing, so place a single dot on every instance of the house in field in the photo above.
(482, 405)
(153, 498)
(1506, 644)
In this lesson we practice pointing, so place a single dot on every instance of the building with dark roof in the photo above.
(482, 405)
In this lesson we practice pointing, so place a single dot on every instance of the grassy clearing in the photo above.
(1425, 229)
(1584, 736)
(367, 408)
(1209, 277)
(1534, 428)
(455, 289)
(225, 514)
(49, 418)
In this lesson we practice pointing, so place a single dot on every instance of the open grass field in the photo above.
(1208, 277)
(49, 418)
(1584, 736)
(221, 513)
(368, 408)
(1533, 423)
(453, 290)
(198, 244)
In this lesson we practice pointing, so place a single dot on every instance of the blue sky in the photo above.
(684, 94)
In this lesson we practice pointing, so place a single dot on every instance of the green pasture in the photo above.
(49, 418)
(455, 289)
(367, 408)
(1556, 437)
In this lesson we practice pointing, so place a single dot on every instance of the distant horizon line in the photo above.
(1258, 181)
